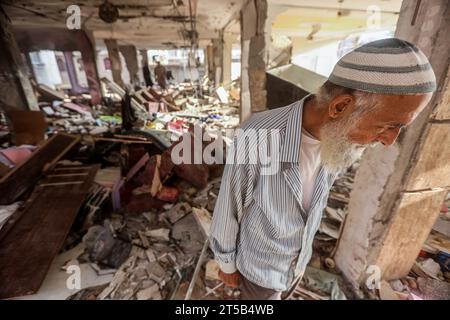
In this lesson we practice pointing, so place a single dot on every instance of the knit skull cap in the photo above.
(387, 66)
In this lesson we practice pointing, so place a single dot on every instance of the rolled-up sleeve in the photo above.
(235, 194)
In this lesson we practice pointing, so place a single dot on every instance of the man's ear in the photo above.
(340, 104)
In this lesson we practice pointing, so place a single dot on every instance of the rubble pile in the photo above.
(142, 227)
(160, 205)
(429, 278)
(321, 280)
(152, 255)
(81, 119)
(333, 217)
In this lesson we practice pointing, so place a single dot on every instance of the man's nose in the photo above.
(389, 136)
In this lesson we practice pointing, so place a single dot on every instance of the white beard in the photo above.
(337, 152)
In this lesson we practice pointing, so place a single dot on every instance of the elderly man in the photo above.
(264, 224)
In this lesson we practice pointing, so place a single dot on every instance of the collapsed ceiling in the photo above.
(178, 23)
(144, 23)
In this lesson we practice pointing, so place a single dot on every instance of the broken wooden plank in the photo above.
(138, 166)
(197, 270)
(29, 246)
(25, 175)
(52, 184)
(80, 108)
(67, 174)
(68, 168)
(121, 140)
(203, 218)
(49, 94)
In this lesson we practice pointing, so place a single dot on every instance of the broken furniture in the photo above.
(114, 87)
(33, 237)
(25, 175)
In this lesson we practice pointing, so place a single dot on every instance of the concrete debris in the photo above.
(322, 283)
(187, 233)
(142, 232)
(429, 267)
(150, 255)
(177, 212)
(429, 277)
(161, 234)
(334, 213)
(77, 118)
(431, 289)
(387, 293)
(102, 271)
(212, 270)
(397, 285)
(437, 242)
(156, 272)
(103, 247)
(151, 293)
(203, 218)
(151, 241)
(329, 229)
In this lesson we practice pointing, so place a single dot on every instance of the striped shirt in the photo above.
(259, 225)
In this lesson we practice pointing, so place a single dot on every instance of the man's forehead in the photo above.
(402, 109)
(406, 103)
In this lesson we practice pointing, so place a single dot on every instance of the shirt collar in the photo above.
(290, 149)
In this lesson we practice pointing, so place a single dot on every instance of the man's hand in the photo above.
(230, 279)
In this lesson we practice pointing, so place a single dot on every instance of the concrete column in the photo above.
(217, 58)
(210, 61)
(146, 73)
(116, 66)
(253, 58)
(76, 88)
(130, 54)
(399, 190)
(226, 59)
(86, 44)
(15, 89)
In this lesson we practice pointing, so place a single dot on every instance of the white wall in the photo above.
(322, 59)
(45, 68)
(235, 62)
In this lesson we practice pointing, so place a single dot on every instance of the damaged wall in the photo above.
(399, 189)
(129, 53)
(217, 49)
(114, 58)
(226, 60)
(30, 39)
(253, 58)
(16, 91)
